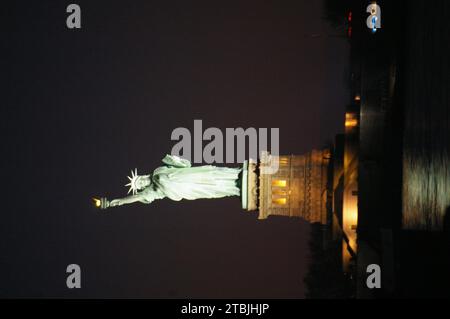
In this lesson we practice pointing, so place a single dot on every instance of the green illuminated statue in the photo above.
(178, 180)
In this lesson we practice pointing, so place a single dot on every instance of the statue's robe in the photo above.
(177, 180)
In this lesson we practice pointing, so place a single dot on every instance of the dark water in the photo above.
(426, 161)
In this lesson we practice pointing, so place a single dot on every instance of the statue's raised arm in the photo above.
(126, 200)
(146, 197)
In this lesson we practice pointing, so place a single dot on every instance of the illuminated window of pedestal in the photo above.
(284, 161)
(279, 182)
(279, 201)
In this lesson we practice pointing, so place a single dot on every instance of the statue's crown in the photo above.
(133, 181)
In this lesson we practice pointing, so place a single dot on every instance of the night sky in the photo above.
(85, 106)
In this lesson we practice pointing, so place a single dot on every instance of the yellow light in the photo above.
(350, 218)
(351, 123)
(357, 97)
(279, 182)
(350, 120)
(279, 201)
(97, 202)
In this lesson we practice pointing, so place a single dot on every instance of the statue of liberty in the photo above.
(178, 180)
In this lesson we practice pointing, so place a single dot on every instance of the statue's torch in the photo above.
(102, 202)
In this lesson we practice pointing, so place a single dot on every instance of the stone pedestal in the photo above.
(297, 189)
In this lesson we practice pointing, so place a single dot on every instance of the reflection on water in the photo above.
(426, 173)
(426, 190)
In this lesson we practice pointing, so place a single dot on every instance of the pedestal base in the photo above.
(249, 191)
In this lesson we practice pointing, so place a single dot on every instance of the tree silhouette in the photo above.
(325, 278)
